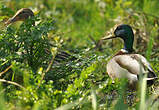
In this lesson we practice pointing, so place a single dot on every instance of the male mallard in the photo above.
(21, 15)
(125, 64)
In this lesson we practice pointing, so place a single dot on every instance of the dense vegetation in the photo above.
(60, 63)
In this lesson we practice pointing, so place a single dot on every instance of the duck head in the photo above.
(124, 32)
(21, 15)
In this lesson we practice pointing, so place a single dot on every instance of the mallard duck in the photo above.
(21, 15)
(126, 63)
(25, 13)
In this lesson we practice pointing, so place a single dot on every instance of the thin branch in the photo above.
(13, 83)
(47, 70)
(98, 44)
(92, 39)
(49, 66)
(1, 73)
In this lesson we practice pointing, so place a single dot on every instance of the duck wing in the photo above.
(135, 64)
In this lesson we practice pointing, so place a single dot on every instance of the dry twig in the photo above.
(13, 83)
(1, 73)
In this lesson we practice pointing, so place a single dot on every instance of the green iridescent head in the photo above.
(125, 32)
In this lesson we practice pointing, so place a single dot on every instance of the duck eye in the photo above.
(22, 12)
(119, 28)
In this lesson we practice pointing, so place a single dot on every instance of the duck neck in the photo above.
(128, 44)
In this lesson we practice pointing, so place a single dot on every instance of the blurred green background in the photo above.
(79, 19)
